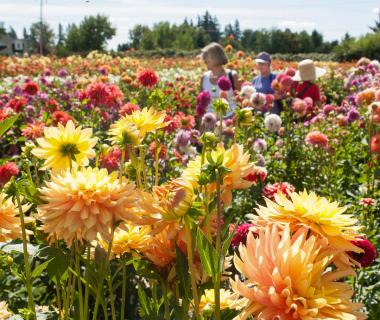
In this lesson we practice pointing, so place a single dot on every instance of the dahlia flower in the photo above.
(234, 159)
(259, 145)
(317, 139)
(81, 203)
(4, 312)
(224, 83)
(272, 122)
(271, 190)
(33, 130)
(123, 133)
(161, 249)
(65, 146)
(129, 238)
(228, 300)
(369, 254)
(367, 202)
(147, 78)
(9, 221)
(324, 218)
(31, 88)
(375, 144)
(147, 120)
(241, 234)
(287, 278)
(7, 171)
(247, 91)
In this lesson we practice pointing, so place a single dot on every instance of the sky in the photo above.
(333, 18)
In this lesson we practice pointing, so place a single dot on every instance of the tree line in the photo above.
(93, 32)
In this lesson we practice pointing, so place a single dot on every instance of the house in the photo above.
(10, 46)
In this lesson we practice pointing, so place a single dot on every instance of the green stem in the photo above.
(123, 291)
(221, 127)
(142, 161)
(112, 300)
(69, 289)
(156, 154)
(36, 173)
(87, 285)
(77, 250)
(28, 275)
(236, 131)
(166, 300)
(122, 161)
(136, 166)
(192, 268)
(218, 247)
(102, 276)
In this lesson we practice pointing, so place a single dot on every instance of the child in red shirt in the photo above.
(304, 78)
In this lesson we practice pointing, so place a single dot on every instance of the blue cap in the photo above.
(263, 57)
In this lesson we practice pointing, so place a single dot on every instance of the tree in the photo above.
(92, 34)
(210, 25)
(237, 31)
(12, 33)
(2, 29)
(47, 37)
(61, 36)
(376, 27)
(136, 35)
(316, 41)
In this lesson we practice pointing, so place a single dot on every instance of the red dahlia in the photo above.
(271, 190)
(7, 171)
(147, 78)
(31, 88)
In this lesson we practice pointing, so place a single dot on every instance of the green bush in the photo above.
(365, 46)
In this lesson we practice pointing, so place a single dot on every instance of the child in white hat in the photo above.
(304, 85)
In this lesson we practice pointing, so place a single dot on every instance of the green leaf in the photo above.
(208, 254)
(40, 268)
(6, 124)
(58, 266)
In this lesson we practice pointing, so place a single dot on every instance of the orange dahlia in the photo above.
(287, 277)
(9, 221)
(324, 218)
(81, 203)
(234, 159)
(162, 248)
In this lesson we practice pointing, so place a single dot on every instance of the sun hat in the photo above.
(263, 57)
(307, 71)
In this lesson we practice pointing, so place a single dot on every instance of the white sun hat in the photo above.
(307, 71)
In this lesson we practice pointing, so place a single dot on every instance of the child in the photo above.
(215, 58)
(304, 85)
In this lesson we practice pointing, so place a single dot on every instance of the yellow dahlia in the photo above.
(228, 300)
(81, 203)
(129, 238)
(65, 146)
(286, 277)
(124, 133)
(324, 218)
(4, 312)
(234, 159)
(147, 120)
(9, 221)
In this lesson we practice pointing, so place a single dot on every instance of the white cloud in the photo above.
(376, 10)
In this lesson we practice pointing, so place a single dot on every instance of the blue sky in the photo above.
(331, 17)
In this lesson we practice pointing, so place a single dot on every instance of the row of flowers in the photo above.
(129, 196)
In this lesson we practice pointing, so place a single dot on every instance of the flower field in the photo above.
(123, 198)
